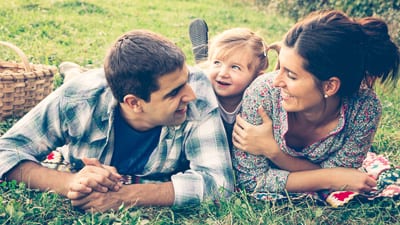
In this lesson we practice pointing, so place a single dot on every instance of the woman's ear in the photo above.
(133, 103)
(331, 86)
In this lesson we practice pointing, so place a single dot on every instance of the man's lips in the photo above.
(182, 111)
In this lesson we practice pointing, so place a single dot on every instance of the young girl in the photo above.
(235, 58)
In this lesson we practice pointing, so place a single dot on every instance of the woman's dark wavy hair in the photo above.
(137, 59)
(356, 51)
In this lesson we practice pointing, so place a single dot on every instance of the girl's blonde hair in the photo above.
(235, 39)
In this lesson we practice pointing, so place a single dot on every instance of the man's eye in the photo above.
(173, 93)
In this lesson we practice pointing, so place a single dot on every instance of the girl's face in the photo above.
(299, 91)
(231, 75)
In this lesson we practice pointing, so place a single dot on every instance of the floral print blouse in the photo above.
(345, 146)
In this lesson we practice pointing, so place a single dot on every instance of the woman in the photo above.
(320, 108)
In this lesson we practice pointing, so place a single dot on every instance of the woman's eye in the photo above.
(291, 75)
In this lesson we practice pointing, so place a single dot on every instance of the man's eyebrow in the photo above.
(177, 89)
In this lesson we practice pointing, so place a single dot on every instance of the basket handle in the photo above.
(20, 53)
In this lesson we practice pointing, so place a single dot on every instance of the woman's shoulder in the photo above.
(262, 85)
(265, 79)
(365, 98)
(364, 104)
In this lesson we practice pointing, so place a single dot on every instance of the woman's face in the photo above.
(299, 91)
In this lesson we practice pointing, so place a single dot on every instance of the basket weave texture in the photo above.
(23, 85)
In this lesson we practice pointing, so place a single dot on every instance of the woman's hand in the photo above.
(255, 139)
(351, 179)
(94, 177)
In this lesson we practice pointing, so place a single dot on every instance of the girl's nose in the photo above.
(224, 71)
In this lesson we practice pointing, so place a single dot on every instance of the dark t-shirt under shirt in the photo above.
(132, 148)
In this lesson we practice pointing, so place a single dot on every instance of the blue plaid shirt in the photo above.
(79, 115)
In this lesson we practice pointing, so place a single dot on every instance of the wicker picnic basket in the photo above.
(22, 85)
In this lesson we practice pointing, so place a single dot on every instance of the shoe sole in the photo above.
(198, 33)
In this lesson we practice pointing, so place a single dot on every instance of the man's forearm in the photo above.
(39, 177)
(155, 194)
(158, 194)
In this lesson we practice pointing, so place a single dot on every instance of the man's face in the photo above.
(168, 105)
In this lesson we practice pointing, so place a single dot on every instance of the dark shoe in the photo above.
(198, 33)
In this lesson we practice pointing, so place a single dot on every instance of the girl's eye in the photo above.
(236, 67)
(217, 63)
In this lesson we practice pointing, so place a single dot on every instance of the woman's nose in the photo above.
(278, 81)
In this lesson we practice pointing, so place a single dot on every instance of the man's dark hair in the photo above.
(137, 59)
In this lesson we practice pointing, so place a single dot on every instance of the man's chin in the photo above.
(179, 120)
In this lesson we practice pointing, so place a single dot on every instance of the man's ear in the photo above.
(133, 102)
(331, 86)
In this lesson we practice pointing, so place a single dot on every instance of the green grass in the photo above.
(52, 31)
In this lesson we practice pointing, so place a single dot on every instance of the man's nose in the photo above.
(188, 94)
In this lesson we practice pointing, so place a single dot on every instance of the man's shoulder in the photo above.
(206, 101)
(89, 83)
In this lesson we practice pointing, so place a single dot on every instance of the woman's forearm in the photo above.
(338, 178)
(292, 164)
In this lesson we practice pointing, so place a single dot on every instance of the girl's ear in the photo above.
(331, 86)
(133, 102)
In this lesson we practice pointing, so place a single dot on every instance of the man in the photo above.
(139, 116)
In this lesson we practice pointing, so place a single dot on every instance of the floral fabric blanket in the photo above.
(377, 166)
